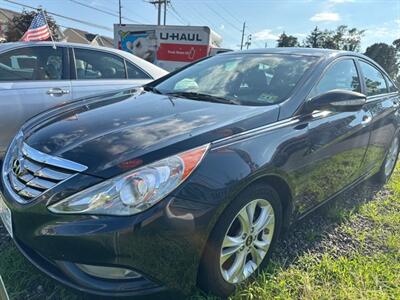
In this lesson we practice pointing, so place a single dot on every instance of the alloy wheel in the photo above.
(247, 241)
(391, 156)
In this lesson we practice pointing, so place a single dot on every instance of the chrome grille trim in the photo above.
(36, 172)
(51, 174)
(51, 160)
(36, 182)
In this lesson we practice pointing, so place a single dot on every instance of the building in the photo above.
(72, 35)
(6, 15)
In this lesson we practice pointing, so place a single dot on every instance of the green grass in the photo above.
(370, 272)
(327, 269)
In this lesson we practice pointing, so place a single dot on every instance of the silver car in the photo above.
(35, 77)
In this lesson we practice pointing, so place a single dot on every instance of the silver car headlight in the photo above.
(135, 191)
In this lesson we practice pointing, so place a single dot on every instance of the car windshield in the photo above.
(250, 79)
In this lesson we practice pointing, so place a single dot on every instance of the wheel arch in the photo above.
(279, 184)
(285, 194)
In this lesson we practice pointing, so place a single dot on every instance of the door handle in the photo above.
(366, 119)
(57, 92)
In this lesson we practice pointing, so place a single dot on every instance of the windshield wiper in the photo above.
(152, 89)
(202, 97)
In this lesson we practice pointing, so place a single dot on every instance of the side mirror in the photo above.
(337, 100)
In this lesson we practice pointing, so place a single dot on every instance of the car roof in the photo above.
(152, 69)
(10, 45)
(326, 54)
(319, 52)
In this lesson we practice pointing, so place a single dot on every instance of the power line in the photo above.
(228, 12)
(178, 14)
(126, 8)
(204, 20)
(62, 16)
(103, 11)
(222, 17)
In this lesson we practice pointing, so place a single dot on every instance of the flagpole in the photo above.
(51, 35)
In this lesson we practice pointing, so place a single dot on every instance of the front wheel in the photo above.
(389, 163)
(241, 241)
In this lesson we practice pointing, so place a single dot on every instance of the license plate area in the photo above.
(5, 215)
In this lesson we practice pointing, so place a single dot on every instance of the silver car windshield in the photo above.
(250, 79)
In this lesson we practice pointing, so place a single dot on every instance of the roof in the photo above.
(7, 14)
(75, 35)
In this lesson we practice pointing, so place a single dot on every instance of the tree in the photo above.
(285, 40)
(342, 38)
(386, 56)
(315, 39)
(396, 44)
(20, 24)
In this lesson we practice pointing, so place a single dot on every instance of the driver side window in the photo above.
(341, 75)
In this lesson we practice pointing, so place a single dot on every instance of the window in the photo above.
(374, 80)
(391, 87)
(250, 79)
(98, 65)
(34, 63)
(342, 75)
(134, 72)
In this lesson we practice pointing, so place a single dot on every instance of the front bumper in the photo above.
(69, 275)
(163, 244)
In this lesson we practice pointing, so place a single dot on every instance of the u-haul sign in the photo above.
(169, 47)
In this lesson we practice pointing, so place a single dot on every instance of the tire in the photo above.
(213, 277)
(389, 164)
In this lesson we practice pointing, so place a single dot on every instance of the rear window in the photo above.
(374, 80)
(251, 79)
(391, 87)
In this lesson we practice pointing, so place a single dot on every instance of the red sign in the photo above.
(181, 52)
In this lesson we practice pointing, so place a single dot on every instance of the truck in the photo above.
(169, 47)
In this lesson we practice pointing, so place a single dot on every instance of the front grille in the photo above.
(29, 173)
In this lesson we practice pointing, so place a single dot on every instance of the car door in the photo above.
(337, 141)
(383, 103)
(98, 71)
(32, 80)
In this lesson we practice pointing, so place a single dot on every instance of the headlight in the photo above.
(135, 191)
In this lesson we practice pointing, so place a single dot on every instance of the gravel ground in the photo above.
(320, 232)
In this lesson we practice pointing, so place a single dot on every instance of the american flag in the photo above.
(38, 31)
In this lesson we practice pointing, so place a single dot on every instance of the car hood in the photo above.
(122, 130)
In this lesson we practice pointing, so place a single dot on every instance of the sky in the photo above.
(265, 19)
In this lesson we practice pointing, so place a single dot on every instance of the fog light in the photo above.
(108, 272)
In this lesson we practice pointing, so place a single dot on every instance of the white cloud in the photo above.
(264, 35)
(382, 32)
(397, 21)
(325, 17)
(339, 1)
(222, 27)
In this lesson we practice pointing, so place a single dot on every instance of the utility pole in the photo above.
(119, 10)
(159, 12)
(158, 4)
(165, 12)
(241, 43)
